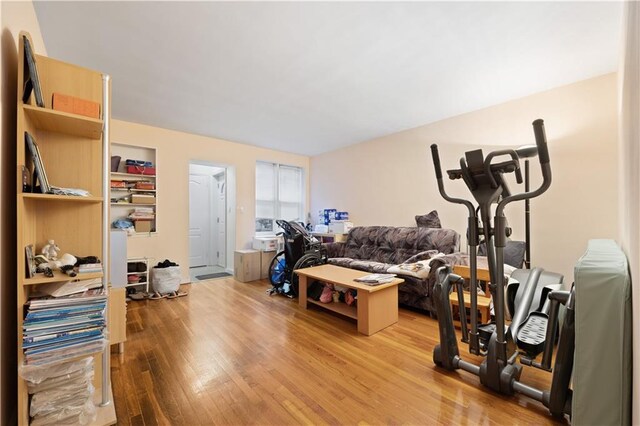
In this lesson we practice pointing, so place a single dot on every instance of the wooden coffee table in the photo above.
(377, 306)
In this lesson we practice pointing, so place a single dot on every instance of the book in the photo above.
(45, 301)
(37, 164)
(70, 287)
(33, 80)
(31, 263)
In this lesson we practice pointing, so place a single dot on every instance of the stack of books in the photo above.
(56, 329)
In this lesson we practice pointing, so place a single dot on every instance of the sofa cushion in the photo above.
(429, 220)
(370, 266)
(345, 262)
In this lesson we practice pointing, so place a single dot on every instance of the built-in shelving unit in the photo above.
(123, 209)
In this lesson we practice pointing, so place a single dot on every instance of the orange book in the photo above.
(73, 105)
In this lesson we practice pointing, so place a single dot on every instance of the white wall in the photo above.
(15, 17)
(387, 181)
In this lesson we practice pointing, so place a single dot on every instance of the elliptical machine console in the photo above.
(534, 304)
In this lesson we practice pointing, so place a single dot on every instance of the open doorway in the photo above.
(208, 221)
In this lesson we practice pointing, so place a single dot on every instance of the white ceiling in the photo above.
(313, 77)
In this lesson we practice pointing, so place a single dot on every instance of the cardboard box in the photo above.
(143, 225)
(145, 185)
(267, 243)
(340, 227)
(265, 261)
(246, 265)
(143, 199)
(73, 105)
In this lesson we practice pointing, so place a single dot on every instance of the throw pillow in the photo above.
(418, 269)
(429, 220)
(513, 253)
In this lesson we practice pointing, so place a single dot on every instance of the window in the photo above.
(279, 195)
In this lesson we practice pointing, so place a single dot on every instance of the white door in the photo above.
(199, 220)
(222, 221)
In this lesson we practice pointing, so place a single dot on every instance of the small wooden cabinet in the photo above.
(246, 265)
(118, 317)
(265, 261)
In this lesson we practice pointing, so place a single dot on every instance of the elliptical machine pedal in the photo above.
(532, 335)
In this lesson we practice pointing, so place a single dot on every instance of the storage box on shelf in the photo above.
(133, 188)
(72, 150)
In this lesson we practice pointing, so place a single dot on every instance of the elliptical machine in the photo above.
(531, 332)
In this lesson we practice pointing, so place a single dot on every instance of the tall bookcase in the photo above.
(74, 150)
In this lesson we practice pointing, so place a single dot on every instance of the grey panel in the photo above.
(602, 370)
(118, 261)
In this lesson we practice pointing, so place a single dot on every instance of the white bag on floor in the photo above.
(165, 280)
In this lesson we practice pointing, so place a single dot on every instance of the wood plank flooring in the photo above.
(230, 354)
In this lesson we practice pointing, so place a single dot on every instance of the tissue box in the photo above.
(340, 227)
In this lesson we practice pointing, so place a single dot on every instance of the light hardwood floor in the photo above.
(230, 354)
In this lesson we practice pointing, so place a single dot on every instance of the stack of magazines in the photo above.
(142, 213)
(60, 328)
(376, 279)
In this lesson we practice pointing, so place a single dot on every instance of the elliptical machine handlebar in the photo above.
(436, 165)
(543, 155)
(541, 141)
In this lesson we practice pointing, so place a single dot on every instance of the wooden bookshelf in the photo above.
(72, 149)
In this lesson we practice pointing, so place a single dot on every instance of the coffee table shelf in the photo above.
(340, 307)
(377, 306)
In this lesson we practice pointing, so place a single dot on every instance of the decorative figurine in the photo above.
(51, 250)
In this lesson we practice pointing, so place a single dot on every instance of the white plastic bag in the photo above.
(79, 415)
(53, 382)
(38, 373)
(165, 280)
(69, 397)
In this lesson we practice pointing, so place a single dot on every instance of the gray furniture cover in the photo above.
(602, 369)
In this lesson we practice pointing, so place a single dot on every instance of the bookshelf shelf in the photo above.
(59, 276)
(64, 122)
(134, 204)
(132, 190)
(64, 198)
(131, 176)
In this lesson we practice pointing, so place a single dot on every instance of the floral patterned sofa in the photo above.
(377, 248)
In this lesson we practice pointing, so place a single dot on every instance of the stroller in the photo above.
(301, 250)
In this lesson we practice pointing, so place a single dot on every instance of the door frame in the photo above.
(230, 222)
